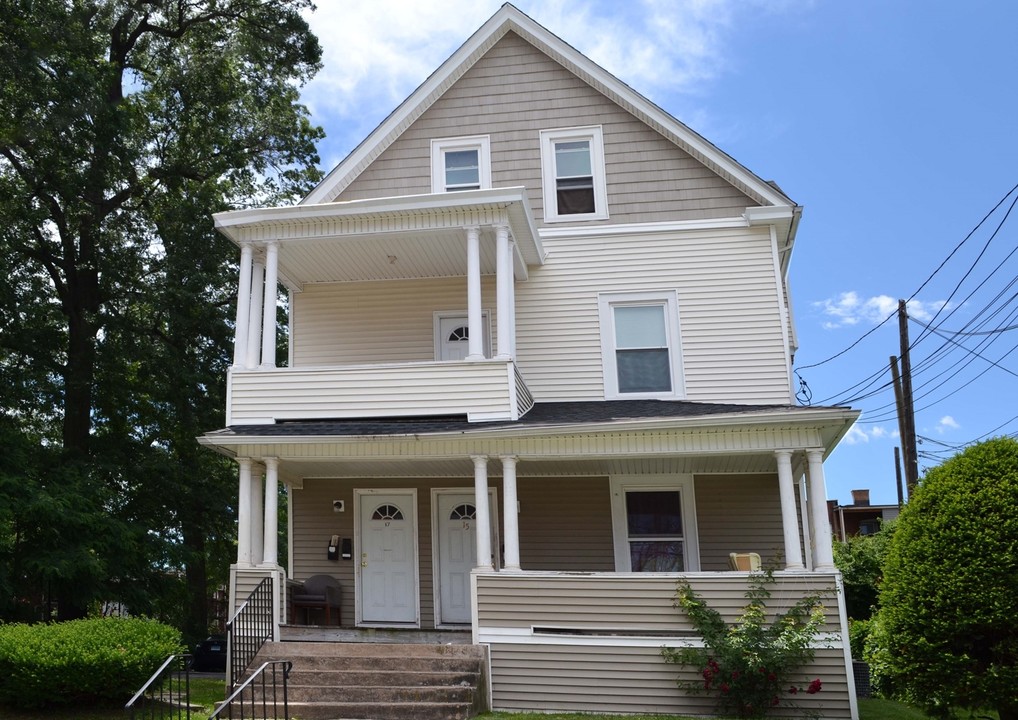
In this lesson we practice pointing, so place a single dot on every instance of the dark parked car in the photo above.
(210, 654)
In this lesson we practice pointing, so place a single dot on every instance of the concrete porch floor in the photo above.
(327, 633)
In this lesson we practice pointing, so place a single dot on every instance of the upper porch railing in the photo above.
(483, 390)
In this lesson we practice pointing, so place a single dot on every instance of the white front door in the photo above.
(452, 337)
(456, 540)
(388, 558)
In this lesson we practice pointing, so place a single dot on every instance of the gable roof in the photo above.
(509, 18)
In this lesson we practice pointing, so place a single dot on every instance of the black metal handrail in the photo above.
(259, 696)
(167, 694)
(250, 628)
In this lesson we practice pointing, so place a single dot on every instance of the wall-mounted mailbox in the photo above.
(347, 549)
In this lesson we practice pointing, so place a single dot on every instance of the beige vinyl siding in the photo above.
(376, 322)
(738, 513)
(449, 388)
(732, 346)
(514, 92)
(565, 524)
(599, 671)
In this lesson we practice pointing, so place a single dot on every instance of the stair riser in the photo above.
(327, 649)
(401, 711)
(341, 678)
(393, 664)
(382, 694)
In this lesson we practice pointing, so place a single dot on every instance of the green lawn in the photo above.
(208, 692)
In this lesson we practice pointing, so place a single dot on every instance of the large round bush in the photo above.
(81, 660)
(947, 632)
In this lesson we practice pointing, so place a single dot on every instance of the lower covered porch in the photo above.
(557, 549)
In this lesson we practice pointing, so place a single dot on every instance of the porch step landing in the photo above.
(381, 681)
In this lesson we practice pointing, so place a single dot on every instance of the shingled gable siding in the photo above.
(514, 92)
(612, 661)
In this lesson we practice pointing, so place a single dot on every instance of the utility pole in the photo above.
(906, 407)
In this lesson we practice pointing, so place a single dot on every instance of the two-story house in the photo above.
(540, 350)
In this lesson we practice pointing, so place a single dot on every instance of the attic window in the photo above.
(572, 161)
(460, 164)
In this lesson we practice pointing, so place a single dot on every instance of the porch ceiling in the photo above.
(401, 238)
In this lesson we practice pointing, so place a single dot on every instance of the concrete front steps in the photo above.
(382, 681)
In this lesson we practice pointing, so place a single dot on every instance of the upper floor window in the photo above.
(572, 164)
(460, 164)
(640, 345)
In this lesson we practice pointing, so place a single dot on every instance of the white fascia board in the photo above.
(513, 199)
(842, 417)
(644, 228)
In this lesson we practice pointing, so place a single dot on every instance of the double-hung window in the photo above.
(640, 345)
(654, 523)
(572, 164)
(460, 164)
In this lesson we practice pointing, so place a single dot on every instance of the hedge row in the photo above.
(81, 661)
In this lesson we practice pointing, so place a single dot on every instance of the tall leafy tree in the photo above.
(123, 126)
(946, 634)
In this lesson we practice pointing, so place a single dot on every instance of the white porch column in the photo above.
(789, 522)
(510, 513)
(503, 279)
(257, 517)
(254, 332)
(269, 311)
(483, 519)
(243, 306)
(244, 513)
(271, 525)
(823, 551)
(512, 299)
(474, 316)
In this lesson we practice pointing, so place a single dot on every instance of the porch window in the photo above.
(654, 523)
(639, 345)
(573, 176)
(460, 164)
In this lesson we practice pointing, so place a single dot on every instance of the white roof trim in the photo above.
(509, 18)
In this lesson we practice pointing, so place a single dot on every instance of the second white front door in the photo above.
(456, 540)
(388, 558)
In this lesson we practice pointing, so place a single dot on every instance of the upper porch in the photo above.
(462, 237)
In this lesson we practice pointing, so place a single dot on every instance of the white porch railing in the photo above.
(483, 390)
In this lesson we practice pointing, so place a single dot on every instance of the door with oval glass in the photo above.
(456, 540)
(387, 587)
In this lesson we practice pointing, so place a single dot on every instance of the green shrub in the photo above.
(80, 660)
(946, 634)
(753, 666)
(858, 633)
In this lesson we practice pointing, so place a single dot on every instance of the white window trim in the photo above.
(683, 482)
(548, 139)
(481, 143)
(669, 299)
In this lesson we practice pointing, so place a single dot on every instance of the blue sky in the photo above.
(895, 125)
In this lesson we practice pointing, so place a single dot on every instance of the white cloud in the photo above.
(377, 52)
(859, 435)
(849, 309)
(947, 423)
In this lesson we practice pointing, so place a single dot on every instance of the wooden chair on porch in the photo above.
(319, 592)
(747, 562)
